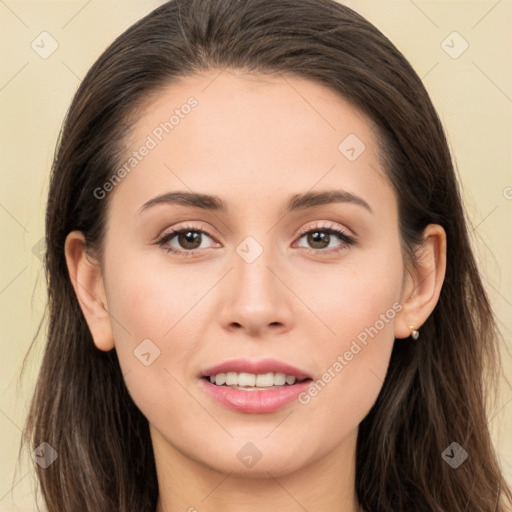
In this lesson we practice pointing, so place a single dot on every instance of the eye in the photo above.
(320, 239)
(188, 240)
(185, 240)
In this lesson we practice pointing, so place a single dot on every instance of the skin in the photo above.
(254, 141)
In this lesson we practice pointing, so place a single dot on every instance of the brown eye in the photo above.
(318, 239)
(189, 239)
(184, 241)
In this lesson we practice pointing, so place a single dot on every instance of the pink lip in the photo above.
(260, 401)
(254, 402)
(255, 367)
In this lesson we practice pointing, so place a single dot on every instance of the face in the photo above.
(272, 275)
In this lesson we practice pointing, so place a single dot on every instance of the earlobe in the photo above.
(87, 281)
(423, 283)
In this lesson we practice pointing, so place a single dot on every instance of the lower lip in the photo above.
(255, 402)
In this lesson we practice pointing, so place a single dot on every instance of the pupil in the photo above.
(190, 239)
(319, 238)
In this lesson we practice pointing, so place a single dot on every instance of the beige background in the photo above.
(472, 93)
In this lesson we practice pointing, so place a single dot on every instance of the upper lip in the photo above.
(255, 367)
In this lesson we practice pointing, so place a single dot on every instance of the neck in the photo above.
(326, 484)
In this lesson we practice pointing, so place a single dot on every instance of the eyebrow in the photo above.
(295, 203)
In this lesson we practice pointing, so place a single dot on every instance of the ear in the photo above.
(423, 282)
(87, 281)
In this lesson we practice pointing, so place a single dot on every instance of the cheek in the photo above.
(355, 294)
(358, 307)
(149, 302)
(150, 297)
(154, 341)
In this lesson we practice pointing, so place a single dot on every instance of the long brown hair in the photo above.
(436, 389)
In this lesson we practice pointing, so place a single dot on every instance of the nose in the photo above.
(256, 298)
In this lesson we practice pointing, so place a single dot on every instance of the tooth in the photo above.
(246, 379)
(231, 379)
(279, 379)
(290, 379)
(265, 380)
(220, 379)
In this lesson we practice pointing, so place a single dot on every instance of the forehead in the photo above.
(250, 137)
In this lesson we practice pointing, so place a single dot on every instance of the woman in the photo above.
(262, 292)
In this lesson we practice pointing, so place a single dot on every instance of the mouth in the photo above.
(254, 389)
(251, 375)
(254, 382)
(254, 393)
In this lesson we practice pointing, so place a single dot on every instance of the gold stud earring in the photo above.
(415, 334)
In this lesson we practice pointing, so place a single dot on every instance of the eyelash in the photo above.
(330, 229)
